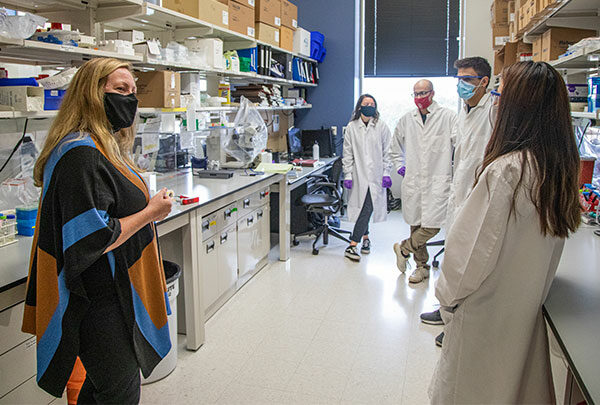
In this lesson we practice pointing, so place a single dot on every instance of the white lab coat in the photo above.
(471, 135)
(497, 272)
(366, 160)
(426, 151)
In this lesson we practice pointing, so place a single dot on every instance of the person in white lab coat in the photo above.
(422, 153)
(367, 166)
(504, 246)
(470, 137)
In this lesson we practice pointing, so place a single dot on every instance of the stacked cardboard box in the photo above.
(556, 41)
(211, 11)
(500, 23)
(241, 18)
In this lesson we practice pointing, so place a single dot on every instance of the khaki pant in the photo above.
(416, 244)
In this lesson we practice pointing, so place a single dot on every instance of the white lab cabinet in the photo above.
(209, 262)
(227, 275)
(253, 241)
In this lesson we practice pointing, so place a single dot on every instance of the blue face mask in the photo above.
(466, 90)
(368, 110)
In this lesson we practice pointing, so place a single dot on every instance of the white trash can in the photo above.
(169, 362)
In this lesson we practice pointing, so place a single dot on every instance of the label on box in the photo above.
(499, 41)
(294, 23)
(251, 32)
(54, 93)
(512, 17)
(225, 17)
(276, 36)
(251, 2)
(278, 21)
(153, 47)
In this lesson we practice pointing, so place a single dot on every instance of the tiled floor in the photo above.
(315, 330)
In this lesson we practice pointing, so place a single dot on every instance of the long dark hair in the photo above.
(356, 113)
(534, 118)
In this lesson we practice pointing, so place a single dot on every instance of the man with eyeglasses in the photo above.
(422, 153)
(470, 138)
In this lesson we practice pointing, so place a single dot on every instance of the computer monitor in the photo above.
(323, 137)
(294, 142)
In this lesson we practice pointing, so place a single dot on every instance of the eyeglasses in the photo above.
(469, 79)
(420, 94)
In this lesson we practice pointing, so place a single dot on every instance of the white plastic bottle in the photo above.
(316, 151)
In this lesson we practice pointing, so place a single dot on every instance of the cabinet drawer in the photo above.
(209, 226)
(227, 216)
(209, 266)
(253, 201)
(17, 366)
(228, 263)
(10, 327)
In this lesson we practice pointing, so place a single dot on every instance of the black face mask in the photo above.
(120, 109)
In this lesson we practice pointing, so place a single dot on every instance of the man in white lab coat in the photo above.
(470, 138)
(422, 153)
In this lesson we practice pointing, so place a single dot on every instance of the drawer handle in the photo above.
(250, 220)
(205, 225)
(210, 247)
(259, 214)
(224, 237)
(227, 214)
(246, 203)
(263, 194)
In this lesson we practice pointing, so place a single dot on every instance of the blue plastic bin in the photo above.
(26, 213)
(53, 98)
(19, 81)
(317, 46)
(252, 54)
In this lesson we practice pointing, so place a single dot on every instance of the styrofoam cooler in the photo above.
(169, 362)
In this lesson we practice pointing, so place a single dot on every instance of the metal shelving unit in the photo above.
(586, 58)
(564, 13)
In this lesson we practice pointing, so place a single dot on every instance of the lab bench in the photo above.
(220, 242)
(572, 311)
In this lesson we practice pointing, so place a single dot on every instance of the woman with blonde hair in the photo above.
(96, 287)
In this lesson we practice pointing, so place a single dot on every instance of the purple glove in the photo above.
(402, 171)
(348, 184)
(386, 182)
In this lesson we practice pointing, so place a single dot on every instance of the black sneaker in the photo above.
(352, 254)
(432, 318)
(439, 339)
(366, 246)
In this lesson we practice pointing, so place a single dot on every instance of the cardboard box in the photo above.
(268, 12)
(289, 14)
(555, 41)
(536, 49)
(211, 48)
(210, 11)
(241, 19)
(133, 36)
(247, 3)
(22, 98)
(159, 89)
(511, 12)
(302, 42)
(498, 62)
(512, 31)
(267, 33)
(149, 50)
(500, 35)
(499, 12)
(286, 39)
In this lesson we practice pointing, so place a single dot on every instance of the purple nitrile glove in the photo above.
(386, 182)
(348, 184)
(402, 171)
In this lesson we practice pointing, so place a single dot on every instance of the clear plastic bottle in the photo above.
(316, 151)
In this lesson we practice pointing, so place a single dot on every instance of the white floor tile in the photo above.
(315, 330)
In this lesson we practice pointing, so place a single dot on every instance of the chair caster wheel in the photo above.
(436, 264)
(315, 252)
(295, 242)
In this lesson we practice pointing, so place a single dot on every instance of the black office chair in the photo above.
(436, 263)
(324, 201)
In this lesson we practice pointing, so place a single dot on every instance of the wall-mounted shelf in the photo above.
(588, 115)
(146, 111)
(46, 54)
(585, 58)
(564, 13)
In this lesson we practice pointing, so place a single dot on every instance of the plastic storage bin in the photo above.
(26, 217)
(317, 46)
(169, 362)
(53, 98)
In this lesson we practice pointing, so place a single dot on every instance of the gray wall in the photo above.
(334, 98)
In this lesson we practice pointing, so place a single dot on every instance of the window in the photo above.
(394, 95)
(411, 38)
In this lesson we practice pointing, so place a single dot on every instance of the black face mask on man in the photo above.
(120, 109)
